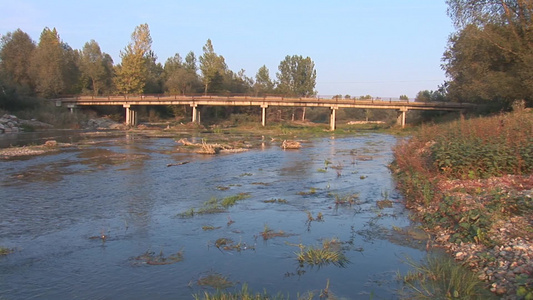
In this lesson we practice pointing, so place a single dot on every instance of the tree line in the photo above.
(490, 56)
(51, 68)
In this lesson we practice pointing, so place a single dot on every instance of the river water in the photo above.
(136, 190)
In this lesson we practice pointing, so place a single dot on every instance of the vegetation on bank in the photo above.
(441, 277)
(465, 179)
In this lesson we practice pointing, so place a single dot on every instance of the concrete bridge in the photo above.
(130, 102)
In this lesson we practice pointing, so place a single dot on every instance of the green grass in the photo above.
(329, 253)
(214, 205)
(243, 294)
(151, 258)
(215, 280)
(5, 251)
(440, 277)
(231, 200)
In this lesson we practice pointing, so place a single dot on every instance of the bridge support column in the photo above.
(131, 115)
(263, 114)
(333, 118)
(71, 107)
(195, 114)
(401, 117)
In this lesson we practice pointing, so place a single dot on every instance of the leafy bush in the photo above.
(466, 149)
(482, 148)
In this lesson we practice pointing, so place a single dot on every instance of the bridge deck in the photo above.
(262, 101)
(130, 102)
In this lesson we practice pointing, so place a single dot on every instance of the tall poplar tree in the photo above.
(131, 74)
(212, 66)
(16, 50)
(96, 66)
(48, 64)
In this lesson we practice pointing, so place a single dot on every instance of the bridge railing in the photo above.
(251, 97)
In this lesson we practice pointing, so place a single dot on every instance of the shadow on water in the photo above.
(124, 217)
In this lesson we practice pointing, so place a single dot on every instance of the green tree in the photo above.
(213, 68)
(263, 84)
(131, 74)
(180, 77)
(404, 97)
(16, 50)
(490, 57)
(154, 75)
(71, 69)
(96, 66)
(51, 64)
(190, 62)
(297, 76)
(430, 96)
(237, 83)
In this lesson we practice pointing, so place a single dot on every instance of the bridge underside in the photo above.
(131, 102)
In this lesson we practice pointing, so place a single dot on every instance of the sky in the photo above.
(382, 48)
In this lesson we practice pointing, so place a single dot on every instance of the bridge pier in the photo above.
(72, 107)
(131, 115)
(401, 116)
(332, 118)
(195, 114)
(263, 114)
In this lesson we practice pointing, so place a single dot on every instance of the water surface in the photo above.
(54, 207)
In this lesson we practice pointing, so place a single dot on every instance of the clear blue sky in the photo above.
(383, 48)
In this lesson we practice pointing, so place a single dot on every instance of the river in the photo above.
(83, 221)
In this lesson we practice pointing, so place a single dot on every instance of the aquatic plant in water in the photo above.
(229, 245)
(151, 258)
(215, 280)
(273, 200)
(5, 251)
(215, 205)
(243, 294)
(268, 233)
(329, 253)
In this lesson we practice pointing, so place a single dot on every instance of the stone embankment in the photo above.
(506, 265)
(12, 124)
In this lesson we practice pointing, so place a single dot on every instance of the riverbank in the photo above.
(470, 184)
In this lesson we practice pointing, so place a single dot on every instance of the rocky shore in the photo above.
(12, 124)
(505, 258)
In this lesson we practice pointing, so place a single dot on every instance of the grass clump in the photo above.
(5, 251)
(231, 200)
(151, 258)
(210, 227)
(268, 233)
(215, 205)
(243, 294)
(274, 200)
(329, 253)
(312, 191)
(441, 278)
(349, 200)
(229, 245)
(215, 280)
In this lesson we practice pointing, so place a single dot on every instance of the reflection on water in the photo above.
(54, 208)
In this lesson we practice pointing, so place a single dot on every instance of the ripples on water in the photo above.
(53, 208)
